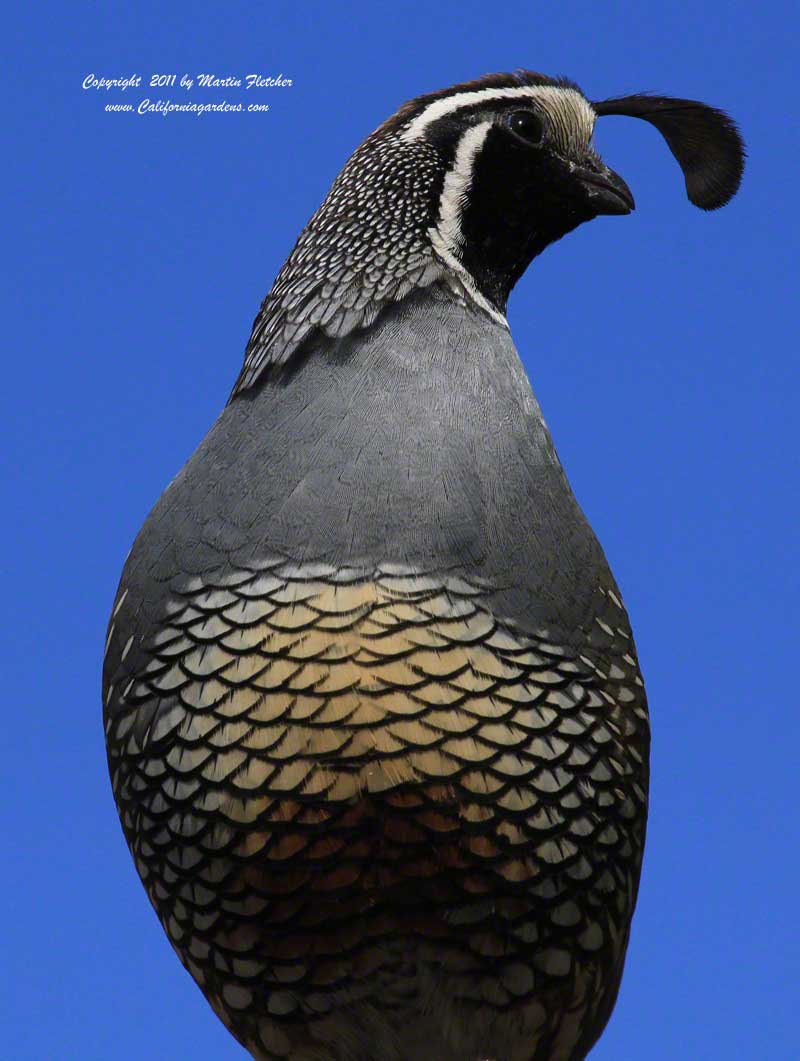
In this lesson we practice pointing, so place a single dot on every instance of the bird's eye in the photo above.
(528, 126)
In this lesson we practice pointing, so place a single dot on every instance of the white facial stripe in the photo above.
(456, 185)
(564, 105)
(463, 277)
(447, 237)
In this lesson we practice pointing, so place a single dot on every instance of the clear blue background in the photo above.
(662, 346)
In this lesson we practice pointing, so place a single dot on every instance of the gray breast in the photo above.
(418, 442)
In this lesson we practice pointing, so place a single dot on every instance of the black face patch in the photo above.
(521, 198)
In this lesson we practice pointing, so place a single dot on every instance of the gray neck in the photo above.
(418, 441)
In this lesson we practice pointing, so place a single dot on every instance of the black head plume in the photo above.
(705, 141)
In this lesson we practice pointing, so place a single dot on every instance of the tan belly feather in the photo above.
(362, 800)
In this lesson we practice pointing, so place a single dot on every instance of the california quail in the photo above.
(376, 729)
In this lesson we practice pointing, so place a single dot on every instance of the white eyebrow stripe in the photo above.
(545, 94)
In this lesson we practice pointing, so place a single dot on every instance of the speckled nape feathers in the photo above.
(350, 774)
(365, 247)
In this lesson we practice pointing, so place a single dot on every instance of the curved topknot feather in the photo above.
(705, 141)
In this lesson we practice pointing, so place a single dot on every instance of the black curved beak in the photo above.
(606, 191)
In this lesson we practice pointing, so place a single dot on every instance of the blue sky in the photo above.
(662, 347)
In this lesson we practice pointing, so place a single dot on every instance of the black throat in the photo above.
(516, 206)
